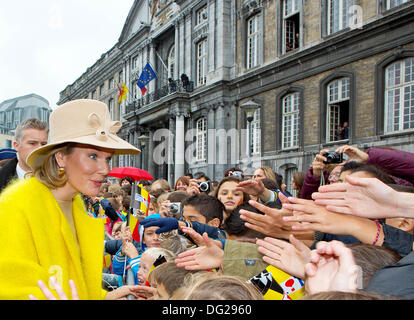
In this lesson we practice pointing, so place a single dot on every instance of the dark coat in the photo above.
(312, 183)
(7, 173)
(397, 163)
(396, 280)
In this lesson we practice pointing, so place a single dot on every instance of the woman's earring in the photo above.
(61, 171)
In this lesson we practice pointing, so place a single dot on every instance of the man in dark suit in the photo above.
(30, 135)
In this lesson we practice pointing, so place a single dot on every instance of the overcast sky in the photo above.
(46, 45)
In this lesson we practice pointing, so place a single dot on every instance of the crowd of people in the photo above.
(346, 233)
(249, 232)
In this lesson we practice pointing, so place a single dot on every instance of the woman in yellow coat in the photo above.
(45, 229)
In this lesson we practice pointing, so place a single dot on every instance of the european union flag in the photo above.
(147, 75)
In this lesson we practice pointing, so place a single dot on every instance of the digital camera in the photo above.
(204, 186)
(175, 208)
(237, 174)
(333, 157)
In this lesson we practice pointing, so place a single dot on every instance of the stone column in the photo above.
(211, 142)
(151, 85)
(138, 159)
(170, 151)
(150, 152)
(177, 49)
(179, 144)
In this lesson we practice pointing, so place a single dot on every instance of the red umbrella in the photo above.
(134, 173)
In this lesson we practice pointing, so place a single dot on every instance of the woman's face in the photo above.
(259, 173)
(293, 184)
(124, 182)
(230, 197)
(181, 186)
(86, 167)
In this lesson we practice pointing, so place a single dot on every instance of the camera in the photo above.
(333, 157)
(237, 174)
(204, 186)
(175, 208)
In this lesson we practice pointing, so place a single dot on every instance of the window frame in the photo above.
(279, 117)
(201, 62)
(323, 113)
(387, 4)
(379, 100)
(171, 62)
(201, 144)
(294, 142)
(255, 134)
(401, 87)
(285, 17)
(334, 102)
(255, 37)
(198, 16)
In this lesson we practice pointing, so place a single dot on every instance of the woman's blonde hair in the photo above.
(48, 172)
(269, 173)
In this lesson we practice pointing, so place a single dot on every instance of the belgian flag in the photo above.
(140, 201)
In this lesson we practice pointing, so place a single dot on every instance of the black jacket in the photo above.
(395, 280)
(7, 173)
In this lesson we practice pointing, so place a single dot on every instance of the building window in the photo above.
(390, 4)
(201, 139)
(111, 83)
(171, 62)
(101, 90)
(338, 97)
(44, 115)
(94, 95)
(291, 24)
(201, 16)
(111, 106)
(290, 120)
(202, 62)
(256, 133)
(9, 117)
(253, 37)
(399, 96)
(338, 15)
(120, 77)
(289, 172)
(134, 89)
(135, 63)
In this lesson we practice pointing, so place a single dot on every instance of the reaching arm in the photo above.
(365, 197)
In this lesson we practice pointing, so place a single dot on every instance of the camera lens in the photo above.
(332, 157)
(173, 208)
(203, 186)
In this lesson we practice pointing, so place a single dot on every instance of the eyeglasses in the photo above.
(334, 177)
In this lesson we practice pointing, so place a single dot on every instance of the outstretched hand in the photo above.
(317, 218)
(353, 153)
(165, 224)
(270, 223)
(208, 256)
(198, 238)
(288, 257)
(59, 291)
(364, 197)
(251, 187)
(332, 268)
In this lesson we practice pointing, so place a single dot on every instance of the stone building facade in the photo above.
(310, 66)
(16, 110)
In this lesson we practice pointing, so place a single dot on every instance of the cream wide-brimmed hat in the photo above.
(82, 121)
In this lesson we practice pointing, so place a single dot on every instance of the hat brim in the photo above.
(113, 142)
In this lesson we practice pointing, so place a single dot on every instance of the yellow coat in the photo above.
(37, 242)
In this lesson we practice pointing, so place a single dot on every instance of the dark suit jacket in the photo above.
(7, 173)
